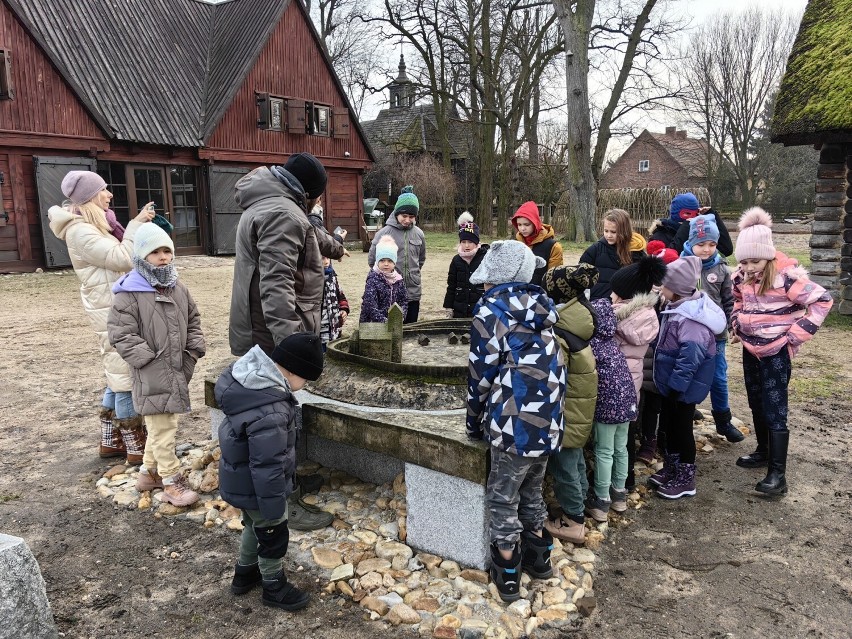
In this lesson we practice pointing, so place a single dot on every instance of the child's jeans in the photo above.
(266, 549)
(610, 457)
(569, 480)
(676, 423)
(766, 381)
(160, 445)
(119, 401)
(719, 388)
(513, 495)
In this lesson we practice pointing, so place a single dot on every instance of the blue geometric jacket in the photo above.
(516, 372)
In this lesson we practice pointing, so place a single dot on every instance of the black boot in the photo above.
(760, 456)
(506, 573)
(775, 482)
(245, 578)
(724, 426)
(280, 593)
(535, 554)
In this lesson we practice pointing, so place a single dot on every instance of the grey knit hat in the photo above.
(507, 261)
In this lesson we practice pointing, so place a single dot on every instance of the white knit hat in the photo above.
(755, 239)
(507, 261)
(148, 238)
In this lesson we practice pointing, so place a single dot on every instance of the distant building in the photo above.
(654, 160)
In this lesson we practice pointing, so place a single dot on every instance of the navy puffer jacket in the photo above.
(257, 437)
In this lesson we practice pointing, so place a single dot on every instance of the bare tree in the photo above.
(735, 65)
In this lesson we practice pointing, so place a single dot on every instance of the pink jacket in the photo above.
(787, 315)
(638, 326)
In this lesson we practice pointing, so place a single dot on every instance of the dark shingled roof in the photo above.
(152, 71)
(813, 104)
(411, 129)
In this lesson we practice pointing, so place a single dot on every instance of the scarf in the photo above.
(710, 262)
(467, 256)
(156, 276)
(391, 278)
(115, 226)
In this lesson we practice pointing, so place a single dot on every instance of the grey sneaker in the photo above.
(597, 508)
(619, 500)
(303, 519)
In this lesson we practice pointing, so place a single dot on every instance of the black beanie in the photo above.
(301, 354)
(639, 277)
(310, 172)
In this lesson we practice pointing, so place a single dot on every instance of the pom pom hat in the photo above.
(755, 239)
(468, 230)
(658, 249)
(639, 277)
(507, 261)
(407, 202)
(563, 283)
(149, 237)
(386, 249)
(82, 186)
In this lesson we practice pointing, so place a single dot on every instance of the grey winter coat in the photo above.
(410, 256)
(258, 435)
(159, 335)
(278, 272)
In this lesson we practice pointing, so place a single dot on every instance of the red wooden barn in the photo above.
(171, 101)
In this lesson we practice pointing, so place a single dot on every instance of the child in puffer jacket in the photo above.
(516, 384)
(684, 363)
(462, 296)
(776, 310)
(258, 464)
(615, 408)
(634, 303)
(385, 286)
(335, 306)
(566, 286)
(716, 282)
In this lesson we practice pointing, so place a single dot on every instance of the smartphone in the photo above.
(338, 230)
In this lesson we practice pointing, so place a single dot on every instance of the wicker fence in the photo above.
(644, 205)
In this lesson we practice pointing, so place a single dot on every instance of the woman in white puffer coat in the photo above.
(101, 250)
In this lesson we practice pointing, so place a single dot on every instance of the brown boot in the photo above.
(111, 442)
(566, 529)
(177, 492)
(134, 434)
(148, 480)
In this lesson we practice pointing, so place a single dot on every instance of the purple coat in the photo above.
(379, 296)
(616, 392)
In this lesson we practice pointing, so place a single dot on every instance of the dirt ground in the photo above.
(724, 563)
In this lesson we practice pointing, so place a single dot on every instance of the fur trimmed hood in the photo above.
(636, 304)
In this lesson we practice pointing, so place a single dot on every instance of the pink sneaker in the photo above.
(177, 492)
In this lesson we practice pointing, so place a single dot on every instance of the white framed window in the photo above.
(644, 166)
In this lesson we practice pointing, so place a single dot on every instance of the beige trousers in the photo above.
(160, 446)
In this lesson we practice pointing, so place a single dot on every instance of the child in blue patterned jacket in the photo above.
(516, 384)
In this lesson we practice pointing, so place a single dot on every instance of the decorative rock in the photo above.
(170, 510)
(583, 555)
(429, 561)
(390, 530)
(427, 604)
(376, 605)
(587, 582)
(553, 596)
(235, 524)
(367, 536)
(24, 607)
(229, 512)
(344, 589)
(479, 576)
(115, 470)
(578, 594)
(399, 485)
(372, 565)
(209, 482)
(444, 632)
(399, 563)
(450, 566)
(513, 625)
(549, 614)
(391, 599)
(450, 621)
(333, 507)
(326, 557)
(371, 581)
(344, 572)
(391, 549)
(586, 605)
(521, 608)
(144, 502)
(402, 614)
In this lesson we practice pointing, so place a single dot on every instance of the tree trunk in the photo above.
(580, 181)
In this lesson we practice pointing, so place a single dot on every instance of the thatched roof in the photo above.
(813, 104)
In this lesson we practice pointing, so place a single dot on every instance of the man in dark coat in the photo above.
(278, 271)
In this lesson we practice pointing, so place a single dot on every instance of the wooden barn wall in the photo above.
(43, 104)
(21, 244)
(290, 65)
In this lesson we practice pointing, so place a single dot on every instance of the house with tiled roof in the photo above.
(658, 160)
(171, 101)
(813, 108)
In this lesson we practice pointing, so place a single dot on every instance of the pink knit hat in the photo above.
(755, 240)
(82, 186)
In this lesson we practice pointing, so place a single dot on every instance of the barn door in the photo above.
(224, 211)
(49, 172)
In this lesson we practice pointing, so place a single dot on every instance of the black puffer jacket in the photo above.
(461, 295)
(605, 258)
(257, 437)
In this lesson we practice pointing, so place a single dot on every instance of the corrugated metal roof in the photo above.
(152, 71)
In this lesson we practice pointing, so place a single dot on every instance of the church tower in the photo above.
(401, 89)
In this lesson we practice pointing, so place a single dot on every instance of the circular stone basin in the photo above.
(430, 377)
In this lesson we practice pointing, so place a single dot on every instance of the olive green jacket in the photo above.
(574, 329)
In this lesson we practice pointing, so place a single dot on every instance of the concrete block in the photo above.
(216, 418)
(447, 516)
(366, 465)
(24, 608)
